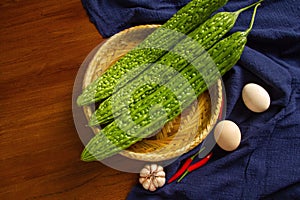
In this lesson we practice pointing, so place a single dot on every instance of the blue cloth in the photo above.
(267, 163)
(112, 16)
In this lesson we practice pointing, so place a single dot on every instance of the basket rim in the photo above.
(151, 156)
(180, 151)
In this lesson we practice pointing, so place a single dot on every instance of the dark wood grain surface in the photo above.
(42, 45)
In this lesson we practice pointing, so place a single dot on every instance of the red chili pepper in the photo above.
(200, 163)
(196, 166)
(181, 170)
(184, 167)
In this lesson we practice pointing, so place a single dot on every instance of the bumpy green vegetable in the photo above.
(198, 41)
(122, 133)
(151, 49)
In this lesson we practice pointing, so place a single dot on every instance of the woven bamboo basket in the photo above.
(178, 136)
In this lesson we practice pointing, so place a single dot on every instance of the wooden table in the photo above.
(42, 45)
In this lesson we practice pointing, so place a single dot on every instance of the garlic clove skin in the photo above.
(142, 180)
(153, 167)
(160, 174)
(147, 167)
(152, 177)
(160, 169)
(146, 184)
(161, 181)
(144, 172)
(152, 187)
(155, 182)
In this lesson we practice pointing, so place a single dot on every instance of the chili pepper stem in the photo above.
(184, 166)
(196, 166)
(181, 170)
(183, 175)
(196, 154)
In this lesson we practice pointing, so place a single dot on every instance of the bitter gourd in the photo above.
(198, 41)
(121, 133)
(152, 48)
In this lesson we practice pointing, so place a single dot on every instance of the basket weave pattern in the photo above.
(178, 136)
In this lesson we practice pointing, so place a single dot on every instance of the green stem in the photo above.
(196, 154)
(252, 20)
(250, 6)
(183, 175)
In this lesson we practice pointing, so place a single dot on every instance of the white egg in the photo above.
(256, 98)
(227, 135)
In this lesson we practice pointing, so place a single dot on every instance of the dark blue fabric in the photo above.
(112, 16)
(267, 163)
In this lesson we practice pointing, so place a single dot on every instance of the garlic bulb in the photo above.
(152, 177)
